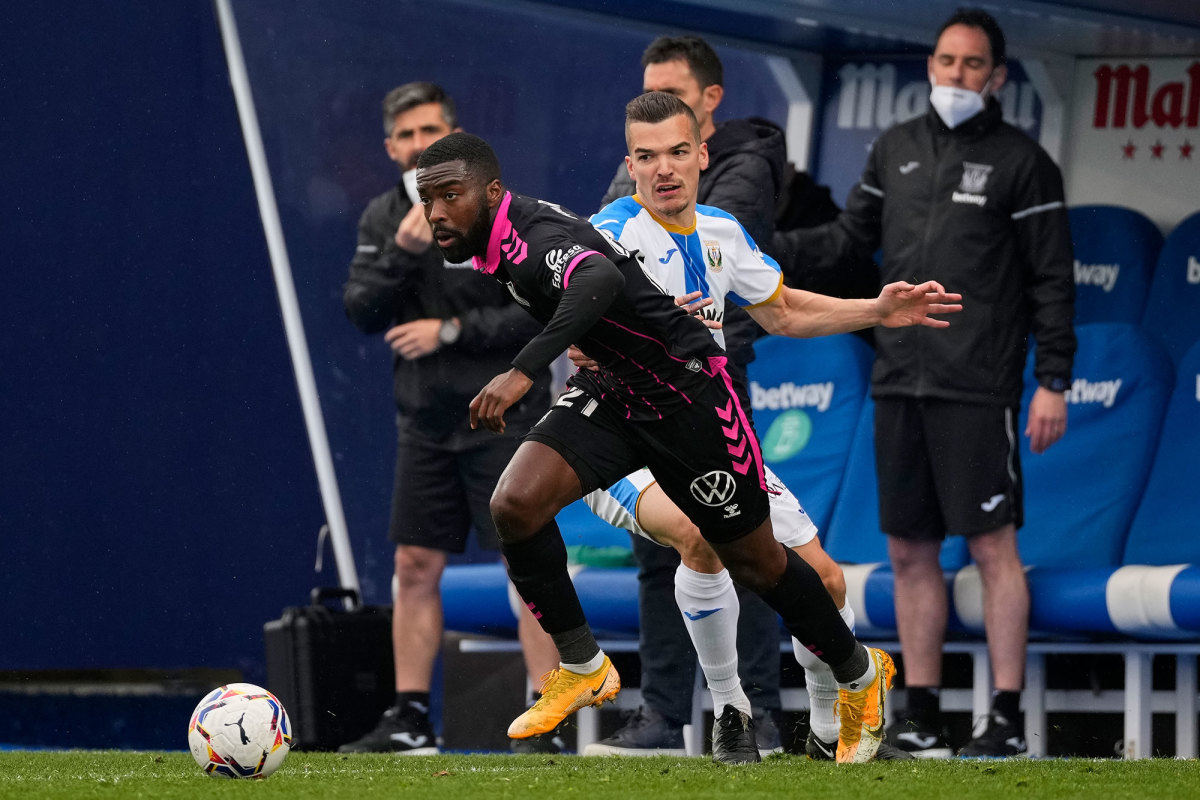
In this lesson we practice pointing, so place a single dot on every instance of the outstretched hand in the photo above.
(494, 399)
(902, 304)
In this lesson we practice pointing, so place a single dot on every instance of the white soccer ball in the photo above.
(239, 731)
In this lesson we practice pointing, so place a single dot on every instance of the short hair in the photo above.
(701, 59)
(978, 18)
(473, 151)
(655, 107)
(418, 93)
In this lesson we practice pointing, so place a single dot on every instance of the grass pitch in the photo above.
(119, 774)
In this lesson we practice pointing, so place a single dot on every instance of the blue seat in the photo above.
(1081, 494)
(806, 395)
(1116, 250)
(1166, 528)
(1173, 306)
(854, 536)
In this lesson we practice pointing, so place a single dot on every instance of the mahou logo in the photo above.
(1128, 96)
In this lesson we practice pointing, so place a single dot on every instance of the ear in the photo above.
(629, 168)
(999, 78)
(703, 156)
(495, 193)
(390, 147)
(711, 97)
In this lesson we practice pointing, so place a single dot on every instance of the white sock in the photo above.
(821, 686)
(710, 608)
(586, 668)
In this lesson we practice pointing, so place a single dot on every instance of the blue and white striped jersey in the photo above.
(715, 255)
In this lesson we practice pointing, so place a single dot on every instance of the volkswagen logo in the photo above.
(715, 488)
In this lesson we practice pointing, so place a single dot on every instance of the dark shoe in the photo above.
(921, 738)
(819, 750)
(766, 731)
(542, 744)
(996, 737)
(733, 740)
(645, 733)
(409, 734)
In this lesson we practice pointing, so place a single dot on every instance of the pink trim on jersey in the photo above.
(574, 261)
(501, 228)
(733, 412)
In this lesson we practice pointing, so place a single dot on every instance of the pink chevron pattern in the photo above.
(512, 244)
(742, 444)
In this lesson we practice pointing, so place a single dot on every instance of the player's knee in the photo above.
(515, 513)
(697, 554)
(834, 580)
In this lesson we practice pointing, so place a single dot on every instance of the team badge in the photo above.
(712, 252)
(975, 177)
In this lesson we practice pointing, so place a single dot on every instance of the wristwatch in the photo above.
(449, 332)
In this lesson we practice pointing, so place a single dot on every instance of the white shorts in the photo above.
(618, 506)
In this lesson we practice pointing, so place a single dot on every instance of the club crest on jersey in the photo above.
(974, 182)
(712, 252)
(557, 261)
(714, 489)
(693, 365)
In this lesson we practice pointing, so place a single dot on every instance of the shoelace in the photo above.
(548, 681)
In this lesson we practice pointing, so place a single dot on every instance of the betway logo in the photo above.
(1193, 270)
(1085, 391)
(869, 99)
(1102, 275)
(1123, 97)
(789, 395)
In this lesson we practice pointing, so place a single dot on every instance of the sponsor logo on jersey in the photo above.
(789, 395)
(714, 489)
(712, 254)
(557, 261)
(1102, 275)
(1085, 391)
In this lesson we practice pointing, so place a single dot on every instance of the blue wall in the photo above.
(158, 500)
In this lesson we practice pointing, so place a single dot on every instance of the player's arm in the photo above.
(593, 284)
(801, 314)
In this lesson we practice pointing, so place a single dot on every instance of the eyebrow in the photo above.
(677, 146)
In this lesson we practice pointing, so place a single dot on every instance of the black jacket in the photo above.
(388, 286)
(979, 209)
(746, 160)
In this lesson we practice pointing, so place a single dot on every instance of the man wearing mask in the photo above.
(961, 197)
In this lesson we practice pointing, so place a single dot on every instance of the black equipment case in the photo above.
(331, 668)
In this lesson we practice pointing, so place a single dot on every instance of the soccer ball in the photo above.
(239, 731)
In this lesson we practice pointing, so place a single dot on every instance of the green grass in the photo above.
(94, 774)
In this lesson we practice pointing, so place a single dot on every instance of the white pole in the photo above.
(286, 287)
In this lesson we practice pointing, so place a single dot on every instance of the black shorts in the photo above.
(705, 457)
(946, 467)
(443, 487)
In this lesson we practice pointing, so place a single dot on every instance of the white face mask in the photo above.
(410, 186)
(955, 106)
